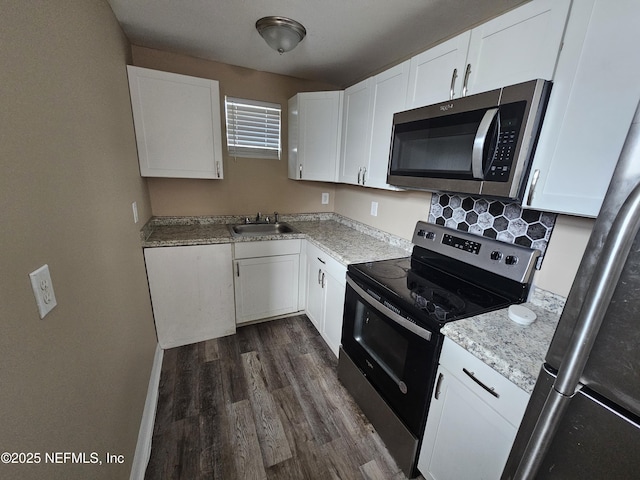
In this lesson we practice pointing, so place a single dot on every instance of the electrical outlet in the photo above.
(325, 198)
(374, 209)
(43, 290)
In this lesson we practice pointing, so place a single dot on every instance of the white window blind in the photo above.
(253, 128)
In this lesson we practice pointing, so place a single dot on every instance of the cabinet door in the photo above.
(464, 439)
(518, 46)
(356, 131)
(314, 142)
(437, 74)
(388, 95)
(595, 93)
(191, 292)
(333, 311)
(266, 287)
(315, 292)
(177, 123)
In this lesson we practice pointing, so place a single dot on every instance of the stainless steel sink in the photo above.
(256, 229)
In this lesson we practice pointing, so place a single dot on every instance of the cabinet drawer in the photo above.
(267, 248)
(510, 402)
(329, 264)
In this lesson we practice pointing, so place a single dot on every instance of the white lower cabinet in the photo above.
(266, 279)
(325, 284)
(473, 419)
(191, 292)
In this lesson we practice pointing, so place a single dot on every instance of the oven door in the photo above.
(398, 358)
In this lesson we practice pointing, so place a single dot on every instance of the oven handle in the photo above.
(477, 153)
(387, 312)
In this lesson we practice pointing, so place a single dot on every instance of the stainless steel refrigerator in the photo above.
(583, 419)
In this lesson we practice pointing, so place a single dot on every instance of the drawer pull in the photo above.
(321, 261)
(491, 390)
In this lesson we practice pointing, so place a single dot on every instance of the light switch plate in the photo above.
(325, 198)
(134, 206)
(43, 290)
(374, 209)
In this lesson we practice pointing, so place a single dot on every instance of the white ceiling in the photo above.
(347, 40)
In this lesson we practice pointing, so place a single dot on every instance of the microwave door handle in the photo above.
(479, 143)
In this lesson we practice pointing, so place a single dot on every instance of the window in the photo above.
(253, 128)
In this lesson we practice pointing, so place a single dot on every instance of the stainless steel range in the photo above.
(394, 310)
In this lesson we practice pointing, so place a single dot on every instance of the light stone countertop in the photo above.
(515, 351)
(344, 239)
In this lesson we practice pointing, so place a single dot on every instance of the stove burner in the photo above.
(441, 304)
(386, 270)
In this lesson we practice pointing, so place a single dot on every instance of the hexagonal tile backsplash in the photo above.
(507, 222)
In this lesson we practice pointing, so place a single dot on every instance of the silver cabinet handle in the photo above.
(467, 72)
(438, 386)
(477, 153)
(359, 174)
(364, 174)
(534, 182)
(237, 269)
(322, 283)
(319, 276)
(300, 171)
(452, 89)
(218, 169)
(472, 376)
(321, 261)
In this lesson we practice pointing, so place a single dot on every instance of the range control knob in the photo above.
(427, 235)
(511, 260)
(496, 255)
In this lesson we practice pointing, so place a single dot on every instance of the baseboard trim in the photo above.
(143, 447)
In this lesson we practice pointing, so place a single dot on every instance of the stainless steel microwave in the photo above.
(482, 144)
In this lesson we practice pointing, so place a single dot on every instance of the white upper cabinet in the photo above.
(177, 124)
(314, 135)
(356, 132)
(366, 132)
(437, 74)
(388, 94)
(596, 90)
(518, 46)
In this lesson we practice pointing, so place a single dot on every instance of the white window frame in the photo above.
(254, 128)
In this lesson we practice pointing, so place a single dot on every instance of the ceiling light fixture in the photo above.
(281, 33)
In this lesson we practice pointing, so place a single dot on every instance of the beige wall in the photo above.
(77, 380)
(398, 212)
(565, 250)
(249, 185)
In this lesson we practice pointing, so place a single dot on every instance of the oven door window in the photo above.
(388, 347)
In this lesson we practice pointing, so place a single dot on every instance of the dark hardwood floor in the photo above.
(262, 404)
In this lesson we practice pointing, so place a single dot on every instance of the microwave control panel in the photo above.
(508, 131)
